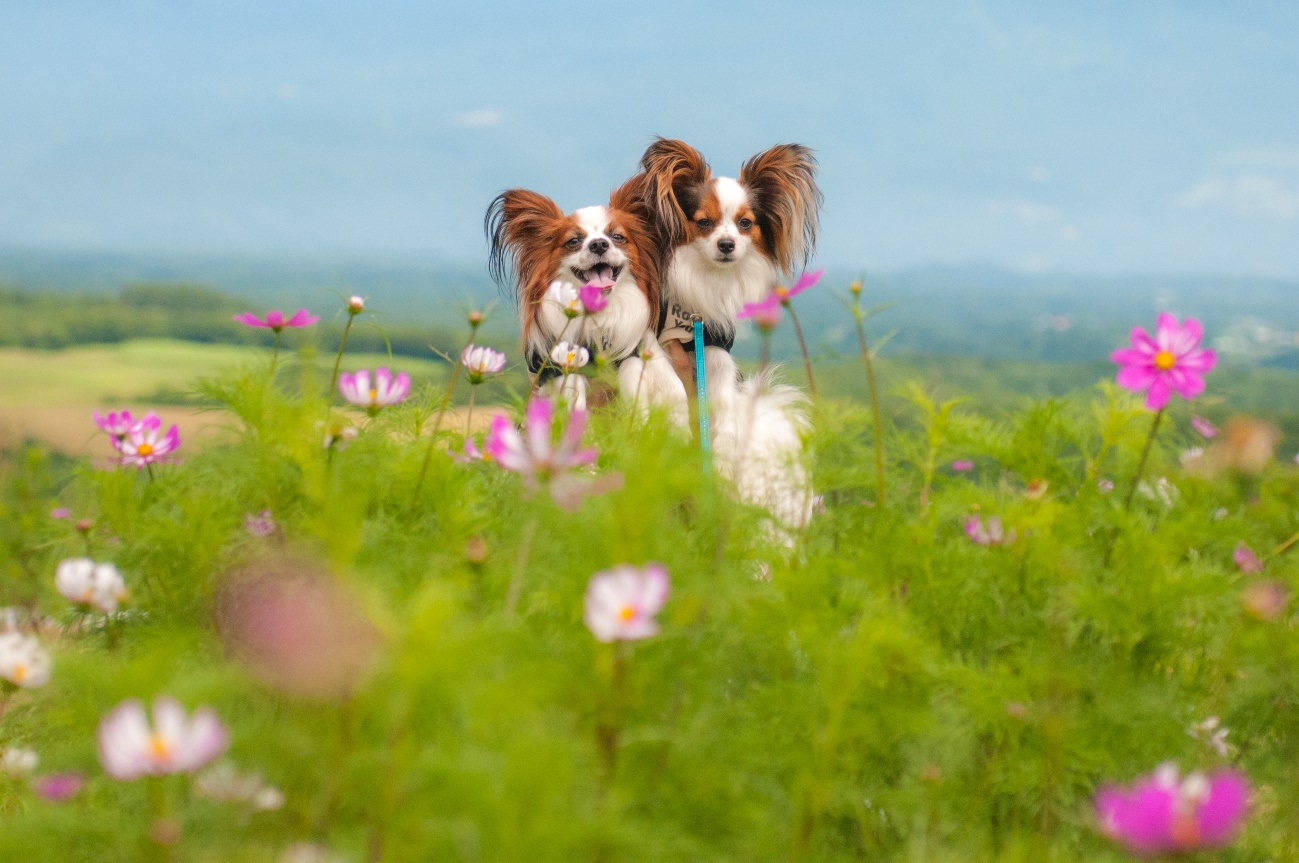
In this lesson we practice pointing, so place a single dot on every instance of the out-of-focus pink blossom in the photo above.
(1265, 600)
(994, 533)
(260, 524)
(1246, 560)
(963, 465)
(176, 742)
(1105, 486)
(58, 787)
(1204, 427)
(276, 321)
(1163, 813)
(1170, 361)
(296, 628)
(621, 602)
(804, 282)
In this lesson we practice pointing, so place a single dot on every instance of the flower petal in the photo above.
(1161, 389)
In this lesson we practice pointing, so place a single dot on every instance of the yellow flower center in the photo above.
(144, 449)
(374, 394)
(20, 673)
(782, 291)
(627, 613)
(159, 747)
(1165, 360)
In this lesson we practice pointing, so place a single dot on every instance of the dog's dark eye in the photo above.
(745, 224)
(618, 238)
(704, 224)
(573, 243)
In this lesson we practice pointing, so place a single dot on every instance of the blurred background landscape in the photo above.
(1018, 184)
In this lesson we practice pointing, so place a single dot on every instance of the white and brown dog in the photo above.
(547, 257)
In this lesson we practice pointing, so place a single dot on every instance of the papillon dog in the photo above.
(723, 243)
(546, 258)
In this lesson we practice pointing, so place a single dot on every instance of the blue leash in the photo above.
(701, 380)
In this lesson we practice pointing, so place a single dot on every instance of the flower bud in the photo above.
(84, 525)
(476, 551)
(855, 287)
(355, 305)
(475, 319)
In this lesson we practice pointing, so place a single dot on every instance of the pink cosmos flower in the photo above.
(58, 787)
(479, 362)
(1204, 427)
(385, 390)
(176, 743)
(1246, 560)
(471, 453)
(804, 282)
(275, 320)
(144, 444)
(1170, 361)
(62, 513)
(533, 455)
(621, 602)
(993, 534)
(963, 466)
(1162, 813)
(594, 298)
(116, 424)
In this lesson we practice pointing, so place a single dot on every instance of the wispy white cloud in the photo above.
(1245, 195)
(1028, 212)
(479, 118)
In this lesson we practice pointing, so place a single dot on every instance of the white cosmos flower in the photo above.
(23, 662)
(569, 357)
(566, 297)
(17, 762)
(85, 582)
(621, 602)
(224, 782)
(176, 743)
(480, 362)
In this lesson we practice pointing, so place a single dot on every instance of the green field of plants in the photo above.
(381, 648)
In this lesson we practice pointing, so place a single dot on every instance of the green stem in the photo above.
(520, 566)
(1141, 464)
(275, 355)
(469, 417)
(875, 399)
(1285, 546)
(802, 346)
(338, 360)
(764, 359)
(149, 467)
(437, 425)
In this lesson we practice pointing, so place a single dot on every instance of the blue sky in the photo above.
(1075, 136)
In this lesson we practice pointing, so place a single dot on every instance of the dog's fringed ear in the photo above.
(518, 223)
(674, 176)
(630, 199)
(787, 202)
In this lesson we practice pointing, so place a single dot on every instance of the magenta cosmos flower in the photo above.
(594, 298)
(1163, 813)
(116, 424)
(145, 443)
(1170, 361)
(621, 602)
(276, 321)
(766, 314)
(129, 747)
(1204, 427)
(533, 454)
(384, 390)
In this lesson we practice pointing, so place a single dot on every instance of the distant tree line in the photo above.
(190, 312)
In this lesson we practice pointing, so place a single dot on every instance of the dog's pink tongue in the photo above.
(601, 278)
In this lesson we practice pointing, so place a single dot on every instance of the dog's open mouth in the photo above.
(601, 275)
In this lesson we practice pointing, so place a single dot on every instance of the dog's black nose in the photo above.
(598, 247)
(725, 246)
